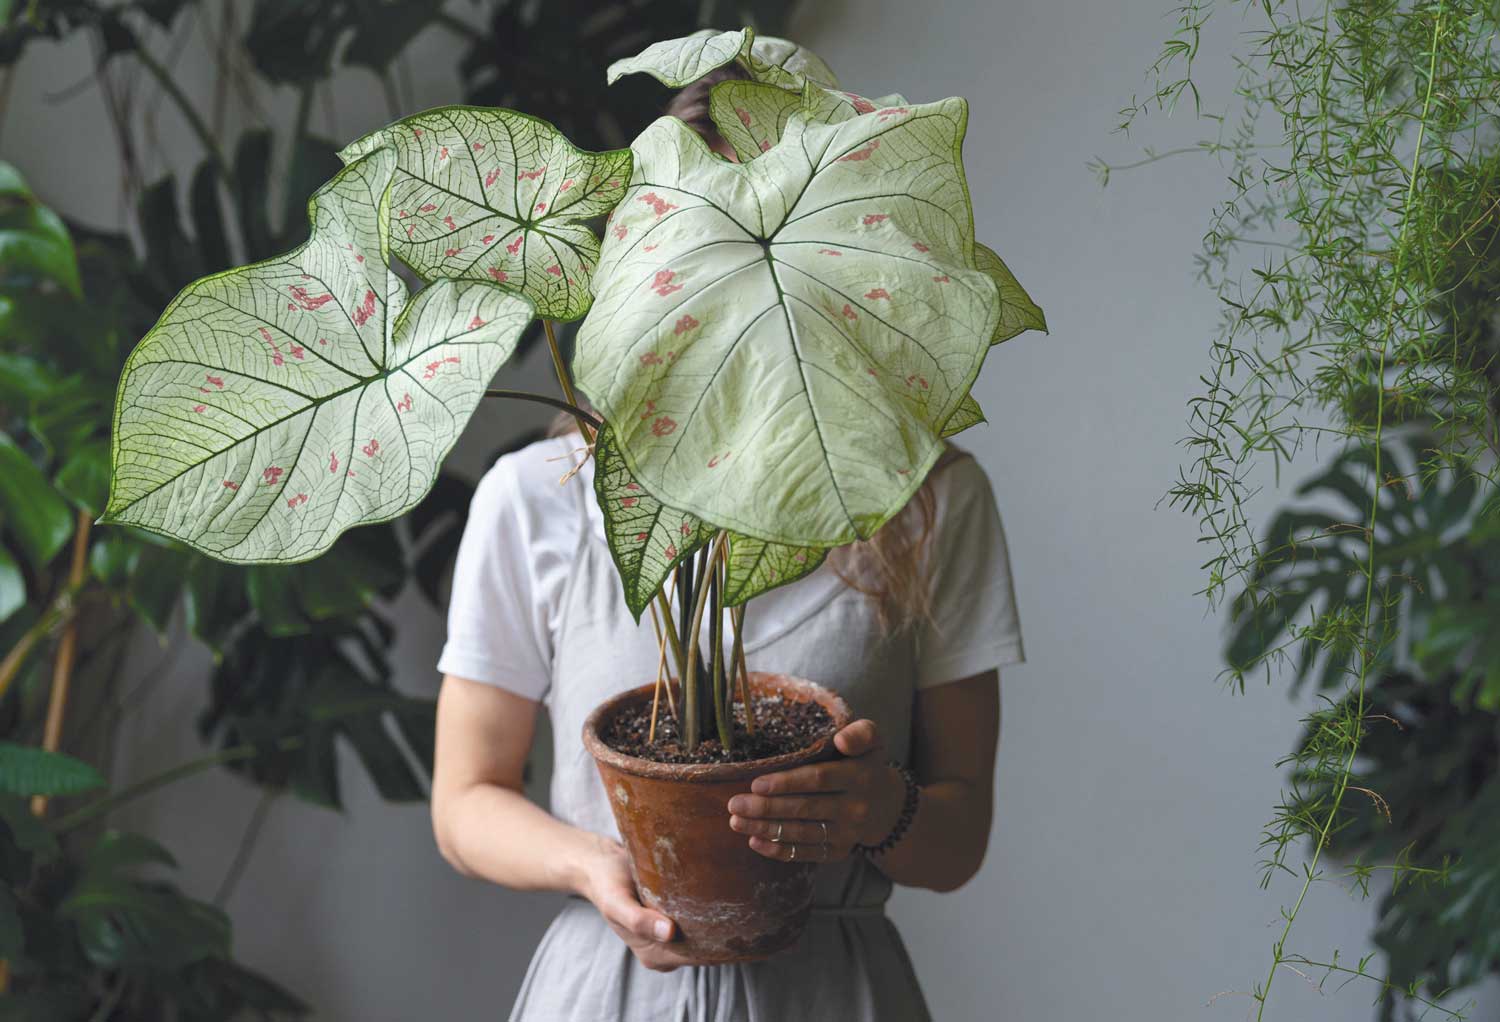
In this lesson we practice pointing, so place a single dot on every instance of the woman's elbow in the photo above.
(445, 832)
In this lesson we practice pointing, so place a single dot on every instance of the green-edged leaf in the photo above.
(801, 325)
(274, 406)
(647, 538)
(12, 585)
(965, 415)
(34, 243)
(483, 193)
(751, 116)
(28, 770)
(30, 508)
(679, 62)
(754, 566)
(1018, 313)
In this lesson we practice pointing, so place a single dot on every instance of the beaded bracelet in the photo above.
(908, 813)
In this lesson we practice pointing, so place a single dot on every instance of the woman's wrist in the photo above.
(588, 860)
(886, 811)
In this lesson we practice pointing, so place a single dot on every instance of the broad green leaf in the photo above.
(274, 406)
(1018, 312)
(647, 538)
(12, 585)
(965, 415)
(28, 770)
(751, 116)
(483, 193)
(754, 566)
(34, 243)
(679, 62)
(778, 343)
(30, 508)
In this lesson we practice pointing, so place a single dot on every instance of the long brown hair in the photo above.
(891, 566)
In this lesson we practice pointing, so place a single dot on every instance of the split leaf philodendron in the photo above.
(777, 346)
(489, 194)
(272, 407)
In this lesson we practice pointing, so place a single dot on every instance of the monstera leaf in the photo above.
(677, 62)
(490, 194)
(779, 343)
(646, 538)
(274, 406)
(753, 566)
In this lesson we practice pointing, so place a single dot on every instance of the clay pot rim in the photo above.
(712, 772)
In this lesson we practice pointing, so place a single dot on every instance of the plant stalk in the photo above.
(716, 673)
(691, 701)
(189, 113)
(574, 410)
(67, 653)
(108, 803)
(738, 668)
(567, 384)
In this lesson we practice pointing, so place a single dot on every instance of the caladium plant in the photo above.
(776, 345)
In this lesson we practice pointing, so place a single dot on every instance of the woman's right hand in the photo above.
(647, 933)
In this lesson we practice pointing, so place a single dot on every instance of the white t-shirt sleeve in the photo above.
(974, 626)
(508, 576)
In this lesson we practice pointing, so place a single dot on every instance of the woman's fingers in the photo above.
(796, 851)
(858, 739)
(820, 832)
(791, 807)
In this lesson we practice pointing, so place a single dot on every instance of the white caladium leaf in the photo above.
(679, 62)
(274, 406)
(1018, 313)
(965, 415)
(753, 566)
(752, 115)
(778, 343)
(646, 538)
(483, 193)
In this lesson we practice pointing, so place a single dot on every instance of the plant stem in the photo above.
(716, 675)
(661, 641)
(1341, 783)
(567, 384)
(737, 665)
(189, 112)
(521, 395)
(247, 846)
(669, 626)
(691, 701)
(110, 802)
(67, 651)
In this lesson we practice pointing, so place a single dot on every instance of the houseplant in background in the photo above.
(301, 653)
(274, 406)
(1355, 260)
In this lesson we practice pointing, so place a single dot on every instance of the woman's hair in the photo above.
(891, 566)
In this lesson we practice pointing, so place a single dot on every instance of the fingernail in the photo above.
(761, 786)
(737, 804)
(663, 929)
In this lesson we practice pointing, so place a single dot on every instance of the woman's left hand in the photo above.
(818, 813)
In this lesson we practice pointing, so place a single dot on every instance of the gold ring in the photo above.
(824, 825)
(793, 856)
(777, 839)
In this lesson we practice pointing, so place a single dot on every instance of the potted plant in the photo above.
(776, 348)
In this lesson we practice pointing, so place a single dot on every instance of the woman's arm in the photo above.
(955, 734)
(486, 827)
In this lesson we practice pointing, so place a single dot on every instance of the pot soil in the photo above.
(730, 904)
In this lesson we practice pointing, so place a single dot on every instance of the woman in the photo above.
(910, 627)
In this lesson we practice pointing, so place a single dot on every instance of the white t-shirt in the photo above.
(522, 535)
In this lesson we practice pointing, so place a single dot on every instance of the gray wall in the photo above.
(1122, 881)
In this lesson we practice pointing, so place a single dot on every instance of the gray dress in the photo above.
(850, 963)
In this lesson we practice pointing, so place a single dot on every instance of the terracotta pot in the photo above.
(730, 904)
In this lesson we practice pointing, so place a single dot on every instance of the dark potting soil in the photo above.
(781, 726)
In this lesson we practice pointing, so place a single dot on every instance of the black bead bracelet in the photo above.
(908, 813)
